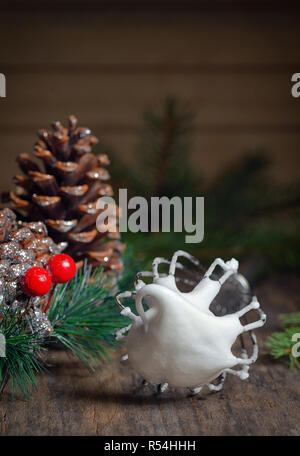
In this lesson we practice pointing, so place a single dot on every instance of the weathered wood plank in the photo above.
(107, 39)
(107, 68)
(244, 101)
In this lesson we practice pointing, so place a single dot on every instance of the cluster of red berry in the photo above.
(37, 281)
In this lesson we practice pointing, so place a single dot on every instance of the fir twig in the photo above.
(280, 344)
(291, 319)
(162, 166)
(84, 316)
(21, 363)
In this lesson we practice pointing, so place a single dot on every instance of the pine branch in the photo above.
(280, 344)
(22, 362)
(84, 315)
(292, 319)
(162, 163)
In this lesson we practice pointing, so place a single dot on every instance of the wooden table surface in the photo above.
(111, 402)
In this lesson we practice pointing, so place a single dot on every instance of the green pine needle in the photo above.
(85, 317)
(292, 319)
(280, 344)
(21, 363)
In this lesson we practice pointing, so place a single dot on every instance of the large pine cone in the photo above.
(64, 194)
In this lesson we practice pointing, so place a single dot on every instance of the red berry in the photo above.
(61, 267)
(36, 282)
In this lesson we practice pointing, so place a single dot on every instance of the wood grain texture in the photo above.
(157, 6)
(111, 402)
(233, 69)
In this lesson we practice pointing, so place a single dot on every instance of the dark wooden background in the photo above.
(106, 61)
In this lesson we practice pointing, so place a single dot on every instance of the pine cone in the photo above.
(22, 246)
(64, 194)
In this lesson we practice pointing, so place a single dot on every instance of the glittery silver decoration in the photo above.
(25, 255)
(40, 323)
(43, 245)
(22, 246)
(21, 235)
(9, 249)
(39, 302)
(38, 228)
(2, 290)
(4, 265)
(12, 289)
(43, 259)
(61, 246)
(19, 305)
(36, 264)
(17, 270)
(47, 243)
